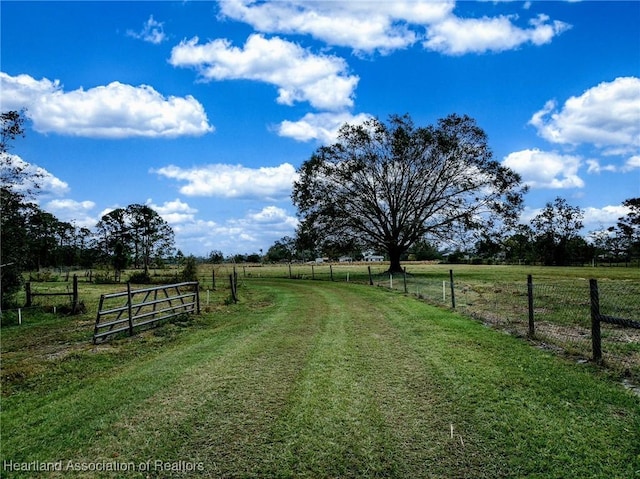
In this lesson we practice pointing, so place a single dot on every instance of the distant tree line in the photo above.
(552, 238)
(32, 239)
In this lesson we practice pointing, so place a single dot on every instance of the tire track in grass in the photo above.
(416, 405)
(365, 405)
(416, 413)
(106, 418)
(220, 412)
(332, 426)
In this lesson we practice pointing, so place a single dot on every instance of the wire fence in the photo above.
(560, 311)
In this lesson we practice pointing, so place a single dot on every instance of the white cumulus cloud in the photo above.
(261, 228)
(363, 26)
(299, 75)
(604, 216)
(458, 36)
(272, 215)
(544, 169)
(594, 166)
(78, 212)
(233, 181)
(606, 116)
(174, 212)
(632, 163)
(116, 110)
(249, 233)
(369, 26)
(33, 178)
(322, 127)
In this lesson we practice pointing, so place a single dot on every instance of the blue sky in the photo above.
(204, 110)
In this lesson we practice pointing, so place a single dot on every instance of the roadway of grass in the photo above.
(318, 379)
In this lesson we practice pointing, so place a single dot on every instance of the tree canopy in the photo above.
(13, 254)
(557, 226)
(136, 231)
(389, 185)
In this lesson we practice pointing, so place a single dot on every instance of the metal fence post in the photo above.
(596, 339)
(129, 308)
(198, 296)
(95, 329)
(532, 327)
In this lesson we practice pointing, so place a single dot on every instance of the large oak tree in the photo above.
(388, 185)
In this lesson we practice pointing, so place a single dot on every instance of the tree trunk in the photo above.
(394, 258)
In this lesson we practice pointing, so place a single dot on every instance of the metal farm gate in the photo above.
(133, 309)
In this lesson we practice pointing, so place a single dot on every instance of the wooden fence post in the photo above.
(313, 274)
(405, 280)
(27, 290)
(331, 271)
(453, 296)
(75, 300)
(290, 275)
(532, 328)
(234, 296)
(370, 277)
(596, 339)
(213, 279)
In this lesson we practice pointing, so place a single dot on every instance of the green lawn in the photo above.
(309, 379)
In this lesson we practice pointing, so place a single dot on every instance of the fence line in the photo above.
(75, 302)
(597, 318)
(559, 317)
(556, 314)
(150, 310)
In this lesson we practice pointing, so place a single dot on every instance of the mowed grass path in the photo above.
(326, 380)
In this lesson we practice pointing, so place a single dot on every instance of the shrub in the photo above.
(190, 271)
(140, 277)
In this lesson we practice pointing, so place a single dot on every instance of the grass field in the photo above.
(308, 379)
